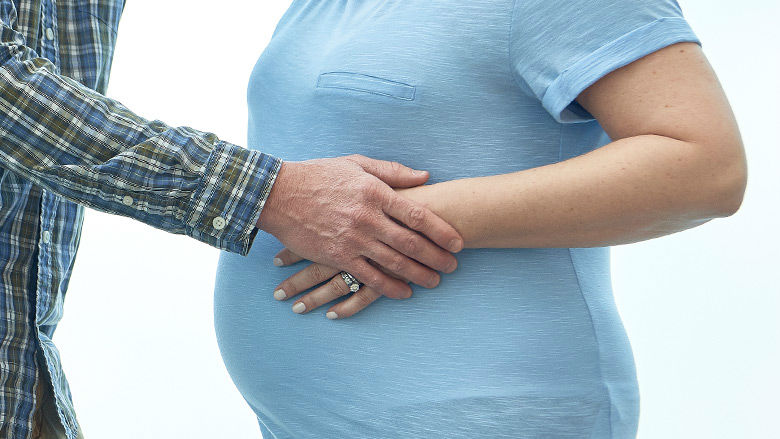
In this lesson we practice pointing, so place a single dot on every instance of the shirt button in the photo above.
(46, 236)
(219, 222)
(127, 200)
(49, 33)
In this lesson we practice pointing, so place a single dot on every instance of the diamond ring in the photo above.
(352, 283)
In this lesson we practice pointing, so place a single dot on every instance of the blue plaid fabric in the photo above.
(63, 146)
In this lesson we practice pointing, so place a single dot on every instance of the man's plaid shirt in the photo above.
(63, 146)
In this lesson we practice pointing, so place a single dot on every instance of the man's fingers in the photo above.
(415, 246)
(286, 257)
(353, 304)
(379, 281)
(420, 218)
(303, 280)
(403, 266)
(393, 174)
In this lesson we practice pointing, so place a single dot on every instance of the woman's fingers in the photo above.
(333, 289)
(353, 304)
(286, 257)
(336, 287)
(301, 281)
(382, 257)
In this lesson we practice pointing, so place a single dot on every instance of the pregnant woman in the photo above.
(551, 129)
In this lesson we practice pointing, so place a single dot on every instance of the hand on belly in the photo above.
(338, 285)
(341, 212)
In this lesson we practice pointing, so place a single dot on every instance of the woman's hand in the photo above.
(313, 275)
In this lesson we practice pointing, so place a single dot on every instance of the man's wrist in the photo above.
(274, 202)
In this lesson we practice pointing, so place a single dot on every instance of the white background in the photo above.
(700, 306)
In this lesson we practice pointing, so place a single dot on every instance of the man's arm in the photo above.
(94, 151)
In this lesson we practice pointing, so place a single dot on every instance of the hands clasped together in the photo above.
(343, 215)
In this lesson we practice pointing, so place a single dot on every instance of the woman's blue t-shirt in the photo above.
(516, 343)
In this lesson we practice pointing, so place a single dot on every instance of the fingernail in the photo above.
(331, 315)
(452, 266)
(280, 294)
(299, 307)
(278, 262)
(419, 172)
(455, 245)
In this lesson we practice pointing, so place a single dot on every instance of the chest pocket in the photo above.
(362, 83)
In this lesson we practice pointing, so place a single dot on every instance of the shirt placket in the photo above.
(48, 48)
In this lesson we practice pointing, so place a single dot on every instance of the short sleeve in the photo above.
(558, 48)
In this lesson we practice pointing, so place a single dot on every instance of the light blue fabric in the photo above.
(517, 343)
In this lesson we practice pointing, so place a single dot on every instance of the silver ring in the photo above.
(352, 283)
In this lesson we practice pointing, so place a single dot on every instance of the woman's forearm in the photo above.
(629, 190)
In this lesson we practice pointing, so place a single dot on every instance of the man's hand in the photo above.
(339, 212)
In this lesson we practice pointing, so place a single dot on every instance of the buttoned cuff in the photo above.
(227, 204)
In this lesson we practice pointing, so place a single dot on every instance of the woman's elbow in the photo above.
(732, 181)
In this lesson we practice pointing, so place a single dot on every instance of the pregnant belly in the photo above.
(508, 322)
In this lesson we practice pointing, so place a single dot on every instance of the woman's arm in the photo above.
(677, 161)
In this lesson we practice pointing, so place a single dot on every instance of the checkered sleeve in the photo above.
(92, 150)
